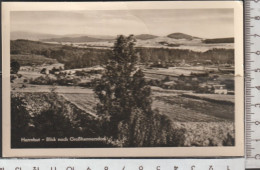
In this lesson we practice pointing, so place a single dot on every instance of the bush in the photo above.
(19, 75)
(15, 67)
(60, 80)
(13, 77)
(229, 140)
(43, 80)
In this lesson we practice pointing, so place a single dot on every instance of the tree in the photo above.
(122, 89)
(15, 67)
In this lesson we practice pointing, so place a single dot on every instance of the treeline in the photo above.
(217, 56)
(219, 40)
(31, 47)
(73, 57)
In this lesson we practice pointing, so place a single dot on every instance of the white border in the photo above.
(237, 150)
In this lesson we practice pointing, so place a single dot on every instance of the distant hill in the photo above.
(16, 35)
(104, 37)
(219, 40)
(181, 36)
(145, 36)
(94, 38)
(31, 35)
(75, 39)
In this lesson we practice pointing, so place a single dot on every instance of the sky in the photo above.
(204, 23)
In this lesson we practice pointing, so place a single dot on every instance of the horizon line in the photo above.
(85, 34)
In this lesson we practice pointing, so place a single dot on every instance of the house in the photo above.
(169, 84)
(45, 71)
(207, 62)
(220, 89)
(226, 69)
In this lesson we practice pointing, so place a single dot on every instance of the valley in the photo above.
(191, 80)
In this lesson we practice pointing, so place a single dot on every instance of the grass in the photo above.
(178, 113)
(178, 108)
(85, 102)
(194, 107)
(229, 99)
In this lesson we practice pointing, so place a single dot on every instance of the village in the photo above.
(198, 78)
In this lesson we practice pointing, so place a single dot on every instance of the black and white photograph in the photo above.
(125, 78)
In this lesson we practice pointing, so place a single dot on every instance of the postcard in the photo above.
(123, 79)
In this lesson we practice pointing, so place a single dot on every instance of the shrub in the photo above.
(15, 67)
(19, 75)
(43, 80)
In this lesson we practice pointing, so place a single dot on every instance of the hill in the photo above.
(181, 36)
(71, 57)
(104, 37)
(32, 59)
(75, 39)
(145, 36)
(94, 38)
(41, 36)
(31, 47)
(31, 35)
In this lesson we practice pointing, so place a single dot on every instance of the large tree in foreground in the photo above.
(122, 90)
(125, 102)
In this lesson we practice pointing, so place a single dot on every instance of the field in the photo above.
(173, 103)
(180, 108)
(164, 42)
(205, 123)
(174, 71)
(228, 99)
(86, 101)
